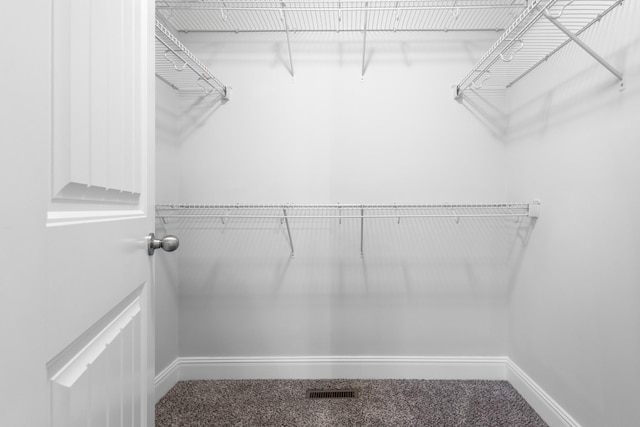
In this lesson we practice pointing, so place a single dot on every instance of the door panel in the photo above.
(92, 266)
(97, 380)
(98, 93)
(99, 340)
(76, 171)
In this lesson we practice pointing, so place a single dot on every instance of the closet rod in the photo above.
(219, 8)
(180, 206)
(452, 215)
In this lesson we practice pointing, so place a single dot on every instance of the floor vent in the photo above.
(333, 394)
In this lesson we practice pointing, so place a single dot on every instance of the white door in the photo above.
(81, 326)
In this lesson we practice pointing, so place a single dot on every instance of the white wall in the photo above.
(25, 109)
(166, 264)
(327, 136)
(424, 287)
(575, 144)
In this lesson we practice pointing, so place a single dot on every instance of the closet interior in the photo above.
(403, 189)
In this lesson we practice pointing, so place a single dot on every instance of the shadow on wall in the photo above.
(488, 110)
(520, 233)
(196, 110)
(343, 48)
(224, 53)
(424, 285)
(280, 58)
(472, 259)
(576, 96)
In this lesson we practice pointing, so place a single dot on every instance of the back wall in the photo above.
(424, 287)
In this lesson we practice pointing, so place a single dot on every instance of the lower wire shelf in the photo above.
(286, 212)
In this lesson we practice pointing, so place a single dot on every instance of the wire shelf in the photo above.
(532, 39)
(180, 69)
(349, 212)
(337, 15)
(345, 211)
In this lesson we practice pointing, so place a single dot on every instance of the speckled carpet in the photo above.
(381, 403)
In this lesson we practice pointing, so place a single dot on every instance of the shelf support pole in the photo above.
(286, 28)
(584, 46)
(286, 221)
(364, 43)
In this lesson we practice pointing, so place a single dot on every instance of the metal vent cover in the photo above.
(333, 394)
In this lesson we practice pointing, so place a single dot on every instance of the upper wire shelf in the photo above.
(541, 30)
(180, 69)
(339, 15)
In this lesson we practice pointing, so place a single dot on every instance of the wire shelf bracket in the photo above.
(364, 40)
(362, 232)
(286, 28)
(180, 69)
(583, 45)
(286, 220)
(530, 40)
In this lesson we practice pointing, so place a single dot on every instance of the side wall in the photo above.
(423, 287)
(575, 144)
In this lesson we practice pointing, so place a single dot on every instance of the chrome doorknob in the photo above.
(168, 243)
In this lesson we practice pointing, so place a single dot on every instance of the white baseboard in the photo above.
(166, 379)
(550, 411)
(327, 367)
(366, 367)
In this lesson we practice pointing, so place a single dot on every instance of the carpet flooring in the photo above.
(381, 403)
